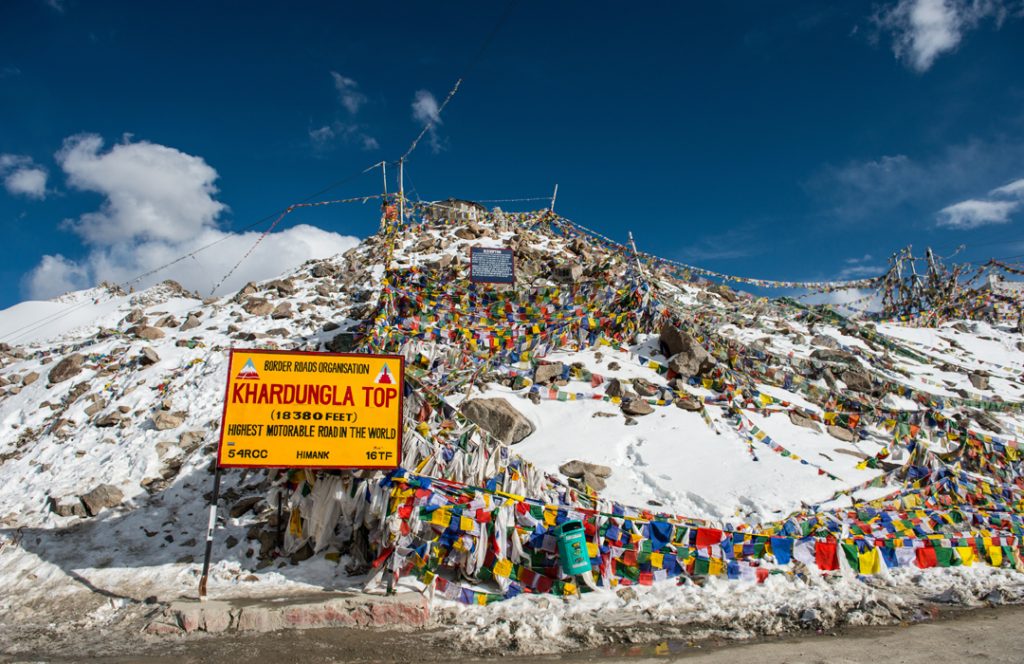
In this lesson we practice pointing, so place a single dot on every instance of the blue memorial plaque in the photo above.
(491, 266)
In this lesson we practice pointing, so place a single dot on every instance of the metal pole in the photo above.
(209, 534)
(401, 191)
(553, 197)
(384, 170)
(280, 514)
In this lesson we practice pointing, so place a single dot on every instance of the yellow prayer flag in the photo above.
(995, 556)
(503, 568)
(657, 560)
(716, 567)
(871, 562)
(966, 555)
(441, 517)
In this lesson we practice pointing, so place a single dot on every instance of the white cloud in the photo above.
(922, 30)
(9, 71)
(152, 192)
(898, 187)
(975, 213)
(348, 93)
(325, 137)
(849, 301)
(159, 206)
(1015, 188)
(426, 111)
(858, 268)
(22, 177)
(348, 132)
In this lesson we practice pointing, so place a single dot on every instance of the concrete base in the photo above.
(294, 612)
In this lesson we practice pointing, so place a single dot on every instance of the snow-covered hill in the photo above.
(697, 406)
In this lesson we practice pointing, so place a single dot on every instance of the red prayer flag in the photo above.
(708, 537)
(825, 556)
(926, 557)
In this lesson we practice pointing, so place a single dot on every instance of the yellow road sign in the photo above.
(285, 409)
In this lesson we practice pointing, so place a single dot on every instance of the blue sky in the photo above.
(782, 140)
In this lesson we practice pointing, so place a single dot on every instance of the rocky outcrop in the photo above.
(499, 418)
(103, 496)
(546, 373)
(67, 368)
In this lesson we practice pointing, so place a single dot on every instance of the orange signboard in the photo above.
(290, 409)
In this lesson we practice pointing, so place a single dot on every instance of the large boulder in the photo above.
(69, 367)
(671, 339)
(105, 495)
(858, 381)
(802, 421)
(637, 407)
(147, 332)
(164, 420)
(692, 359)
(825, 341)
(576, 469)
(978, 380)
(499, 418)
(842, 433)
(546, 373)
(257, 306)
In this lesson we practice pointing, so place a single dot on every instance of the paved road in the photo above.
(989, 635)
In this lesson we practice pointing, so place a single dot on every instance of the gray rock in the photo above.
(149, 357)
(858, 381)
(67, 506)
(645, 388)
(842, 433)
(630, 422)
(546, 373)
(164, 420)
(637, 407)
(825, 341)
(166, 321)
(134, 316)
(190, 323)
(283, 286)
(574, 468)
(577, 469)
(692, 360)
(672, 339)
(828, 355)
(593, 481)
(994, 597)
(567, 273)
(498, 417)
(978, 380)
(614, 388)
(688, 403)
(94, 408)
(283, 310)
(146, 332)
(69, 367)
(801, 421)
(324, 269)
(244, 505)
(105, 495)
(109, 420)
(257, 306)
(728, 294)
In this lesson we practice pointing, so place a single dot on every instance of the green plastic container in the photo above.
(572, 548)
